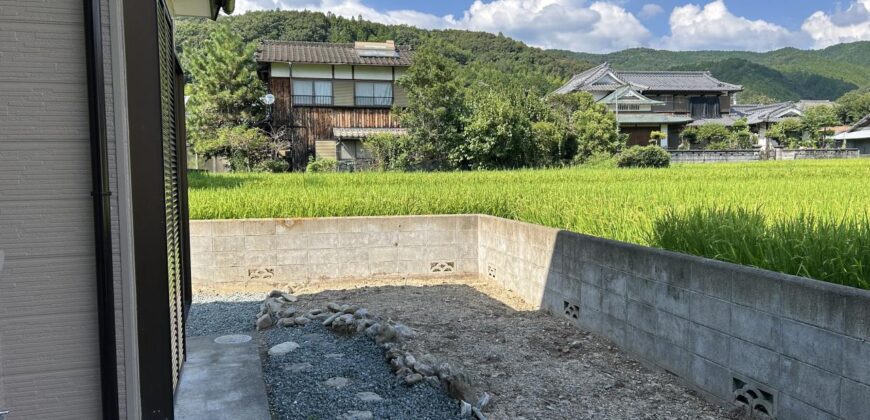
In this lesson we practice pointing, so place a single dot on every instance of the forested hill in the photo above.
(785, 74)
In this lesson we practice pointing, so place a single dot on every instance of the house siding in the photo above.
(49, 361)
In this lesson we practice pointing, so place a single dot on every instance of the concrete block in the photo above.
(411, 253)
(228, 243)
(470, 266)
(641, 343)
(350, 239)
(674, 329)
(228, 259)
(289, 226)
(757, 290)
(258, 227)
(325, 256)
(643, 290)
(671, 270)
(591, 320)
(261, 243)
(380, 238)
(817, 387)
(200, 244)
(295, 242)
(755, 326)
(674, 300)
(440, 237)
(710, 344)
(755, 362)
(571, 289)
(613, 329)
(710, 377)
(201, 228)
(711, 278)
(296, 273)
(382, 254)
(672, 358)
(709, 311)
(414, 267)
(589, 273)
(590, 297)
(411, 238)
(226, 227)
(440, 252)
(857, 309)
(792, 408)
(231, 275)
(260, 259)
(292, 257)
(814, 346)
(614, 281)
(469, 222)
(856, 360)
(613, 305)
(814, 304)
(855, 404)
(321, 240)
(202, 260)
(641, 316)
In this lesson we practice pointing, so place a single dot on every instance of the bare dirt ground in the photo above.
(534, 365)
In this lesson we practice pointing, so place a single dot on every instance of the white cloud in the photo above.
(852, 24)
(714, 27)
(565, 24)
(650, 10)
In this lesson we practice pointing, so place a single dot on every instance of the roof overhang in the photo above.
(201, 8)
(855, 135)
(652, 119)
(629, 96)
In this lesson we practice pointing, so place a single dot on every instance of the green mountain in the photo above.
(785, 74)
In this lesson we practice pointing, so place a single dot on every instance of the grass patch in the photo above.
(621, 204)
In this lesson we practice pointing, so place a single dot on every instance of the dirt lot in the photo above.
(534, 365)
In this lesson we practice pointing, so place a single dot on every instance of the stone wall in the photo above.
(729, 331)
(715, 156)
(274, 252)
(784, 154)
(792, 347)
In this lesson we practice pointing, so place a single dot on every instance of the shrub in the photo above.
(598, 161)
(322, 165)
(273, 165)
(390, 152)
(656, 137)
(713, 133)
(644, 157)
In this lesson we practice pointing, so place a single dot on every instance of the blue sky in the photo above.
(608, 25)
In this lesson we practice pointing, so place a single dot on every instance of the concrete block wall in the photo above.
(276, 252)
(799, 345)
(784, 154)
(715, 156)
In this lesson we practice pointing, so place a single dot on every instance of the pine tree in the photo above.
(225, 90)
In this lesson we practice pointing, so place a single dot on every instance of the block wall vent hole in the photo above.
(571, 310)
(261, 273)
(491, 272)
(757, 402)
(442, 266)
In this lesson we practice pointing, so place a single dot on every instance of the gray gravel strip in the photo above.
(297, 391)
(212, 318)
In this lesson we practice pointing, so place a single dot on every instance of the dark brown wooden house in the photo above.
(331, 95)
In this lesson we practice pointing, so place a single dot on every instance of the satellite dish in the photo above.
(269, 99)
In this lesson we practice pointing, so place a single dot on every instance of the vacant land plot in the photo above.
(621, 204)
(534, 365)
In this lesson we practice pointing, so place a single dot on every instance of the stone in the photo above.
(337, 382)
(397, 363)
(404, 331)
(483, 401)
(413, 378)
(372, 330)
(264, 322)
(301, 320)
(346, 319)
(333, 307)
(358, 415)
(433, 381)
(369, 397)
(464, 409)
(314, 312)
(424, 369)
(299, 367)
(361, 313)
(283, 348)
(349, 309)
(477, 413)
(403, 372)
(275, 306)
(286, 322)
(444, 370)
(385, 333)
(288, 297)
(288, 312)
(410, 360)
(275, 293)
(328, 321)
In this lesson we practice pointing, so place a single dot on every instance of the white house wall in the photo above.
(280, 69)
(344, 72)
(373, 73)
(311, 71)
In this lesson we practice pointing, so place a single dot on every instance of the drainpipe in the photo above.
(102, 210)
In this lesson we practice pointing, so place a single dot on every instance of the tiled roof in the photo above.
(652, 118)
(325, 53)
(727, 121)
(756, 114)
(862, 125)
(674, 81)
(361, 133)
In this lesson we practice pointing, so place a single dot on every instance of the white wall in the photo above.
(280, 69)
(312, 71)
(373, 73)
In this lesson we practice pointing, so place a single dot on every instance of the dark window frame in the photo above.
(316, 101)
(392, 97)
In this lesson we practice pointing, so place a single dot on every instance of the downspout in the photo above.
(102, 210)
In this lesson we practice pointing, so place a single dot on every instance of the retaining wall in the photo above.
(792, 347)
(275, 252)
(715, 156)
(784, 154)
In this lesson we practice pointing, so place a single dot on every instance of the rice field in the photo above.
(621, 204)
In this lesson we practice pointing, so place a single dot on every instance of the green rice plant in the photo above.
(617, 203)
(835, 250)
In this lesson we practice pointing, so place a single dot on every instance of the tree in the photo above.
(498, 132)
(788, 132)
(596, 129)
(435, 108)
(817, 122)
(854, 105)
(716, 136)
(656, 137)
(224, 92)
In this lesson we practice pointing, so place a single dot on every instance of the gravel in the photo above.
(295, 394)
(230, 314)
